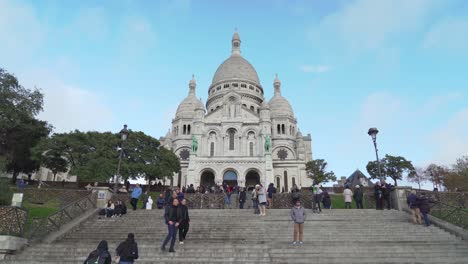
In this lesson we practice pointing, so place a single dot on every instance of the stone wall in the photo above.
(12, 220)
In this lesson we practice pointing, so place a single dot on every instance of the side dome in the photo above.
(188, 106)
(279, 106)
(236, 68)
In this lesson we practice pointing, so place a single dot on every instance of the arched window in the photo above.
(279, 129)
(232, 134)
(293, 181)
(212, 149)
(185, 130)
(188, 130)
(252, 108)
(251, 148)
(282, 129)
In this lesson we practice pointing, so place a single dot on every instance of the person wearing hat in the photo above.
(358, 195)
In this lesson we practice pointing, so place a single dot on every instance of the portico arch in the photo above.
(230, 177)
(252, 178)
(207, 178)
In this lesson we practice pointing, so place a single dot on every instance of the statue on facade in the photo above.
(194, 144)
(267, 144)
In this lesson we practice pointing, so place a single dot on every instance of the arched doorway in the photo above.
(252, 178)
(207, 178)
(278, 183)
(230, 178)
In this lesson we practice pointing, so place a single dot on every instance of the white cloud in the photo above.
(138, 35)
(451, 140)
(450, 34)
(381, 109)
(315, 69)
(68, 107)
(91, 22)
(369, 24)
(20, 30)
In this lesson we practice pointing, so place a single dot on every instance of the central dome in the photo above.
(236, 67)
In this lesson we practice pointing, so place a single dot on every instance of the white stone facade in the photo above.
(231, 132)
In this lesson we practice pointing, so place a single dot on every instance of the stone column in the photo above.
(268, 169)
(104, 194)
(398, 197)
(191, 173)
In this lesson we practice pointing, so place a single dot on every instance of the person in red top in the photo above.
(228, 194)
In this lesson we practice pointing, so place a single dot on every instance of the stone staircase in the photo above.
(239, 236)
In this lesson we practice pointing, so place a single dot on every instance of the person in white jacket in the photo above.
(149, 204)
(348, 197)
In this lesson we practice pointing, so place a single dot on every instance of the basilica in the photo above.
(238, 137)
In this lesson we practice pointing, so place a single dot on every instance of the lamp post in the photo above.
(373, 133)
(123, 136)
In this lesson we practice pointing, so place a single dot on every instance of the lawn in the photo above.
(338, 202)
(38, 212)
(154, 196)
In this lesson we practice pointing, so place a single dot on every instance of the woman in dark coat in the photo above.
(242, 198)
(100, 255)
(128, 250)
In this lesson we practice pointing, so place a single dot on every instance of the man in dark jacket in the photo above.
(378, 193)
(358, 195)
(387, 188)
(144, 199)
(242, 198)
(271, 190)
(128, 250)
(101, 255)
(184, 221)
(161, 202)
(424, 208)
(173, 217)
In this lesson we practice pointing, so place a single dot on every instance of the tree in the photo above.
(317, 171)
(457, 178)
(54, 162)
(436, 174)
(394, 167)
(93, 156)
(19, 129)
(418, 177)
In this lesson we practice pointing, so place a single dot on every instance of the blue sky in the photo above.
(345, 66)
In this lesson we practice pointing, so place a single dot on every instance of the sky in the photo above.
(345, 66)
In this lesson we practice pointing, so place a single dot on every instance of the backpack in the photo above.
(95, 258)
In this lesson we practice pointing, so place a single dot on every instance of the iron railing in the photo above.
(40, 227)
(448, 206)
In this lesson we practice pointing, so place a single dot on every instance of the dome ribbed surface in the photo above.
(236, 68)
(188, 106)
(280, 107)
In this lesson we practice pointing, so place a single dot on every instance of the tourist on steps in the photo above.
(228, 194)
(144, 199)
(271, 190)
(255, 199)
(348, 197)
(262, 200)
(412, 201)
(242, 198)
(110, 208)
(298, 215)
(149, 203)
(101, 255)
(424, 208)
(317, 199)
(326, 200)
(120, 208)
(127, 251)
(136, 193)
(161, 202)
(378, 193)
(184, 221)
(173, 217)
(358, 195)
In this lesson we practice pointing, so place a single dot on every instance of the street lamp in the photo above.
(373, 133)
(123, 136)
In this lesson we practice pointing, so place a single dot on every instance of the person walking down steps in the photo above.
(100, 256)
(173, 217)
(127, 251)
(136, 193)
(184, 221)
(298, 215)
